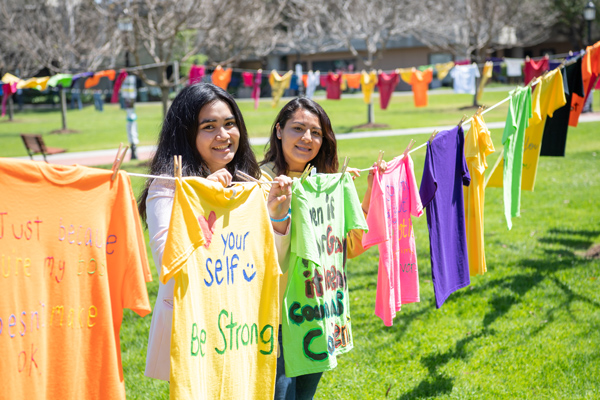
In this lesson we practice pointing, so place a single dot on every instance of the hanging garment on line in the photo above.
(514, 66)
(118, 82)
(367, 85)
(95, 79)
(478, 145)
(312, 81)
(444, 174)
(577, 102)
(405, 74)
(256, 88)
(464, 78)
(443, 69)
(533, 69)
(79, 270)
(317, 273)
(221, 253)
(63, 80)
(196, 74)
(34, 83)
(353, 80)
(278, 85)
(420, 84)
(334, 86)
(386, 84)
(547, 97)
(8, 89)
(10, 78)
(395, 197)
(221, 77)
(485, 76)
(496, 62)
(507, 171)
(554, 140)
(247, 78)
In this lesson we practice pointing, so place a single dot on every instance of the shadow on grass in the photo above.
(541, 268)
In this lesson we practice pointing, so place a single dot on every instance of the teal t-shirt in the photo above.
(315, 310)
(517, 121)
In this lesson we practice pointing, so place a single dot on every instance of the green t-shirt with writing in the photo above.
(517, 121)
(315, 310)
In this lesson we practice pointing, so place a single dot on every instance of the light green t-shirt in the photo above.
(316, 315)
(517, 121)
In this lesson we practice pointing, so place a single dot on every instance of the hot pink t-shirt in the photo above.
(394, 198)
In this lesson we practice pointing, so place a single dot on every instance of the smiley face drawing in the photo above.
(250, 268)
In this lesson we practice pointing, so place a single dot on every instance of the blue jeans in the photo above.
(301, 387)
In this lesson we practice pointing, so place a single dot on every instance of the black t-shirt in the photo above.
(554, 140)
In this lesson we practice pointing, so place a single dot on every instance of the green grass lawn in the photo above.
(527, 329)
(105, 130)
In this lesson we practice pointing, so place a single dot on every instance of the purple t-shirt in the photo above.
(441, 192)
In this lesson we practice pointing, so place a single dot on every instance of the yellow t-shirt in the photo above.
(34, 83)
(478, 145)
(486, 74)
(443, 69)
(547, 97)
(279, 84)
(221, 252)
(367, 85)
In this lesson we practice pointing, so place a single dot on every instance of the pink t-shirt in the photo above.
(394, 198)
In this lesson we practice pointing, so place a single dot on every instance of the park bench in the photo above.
(35, 145)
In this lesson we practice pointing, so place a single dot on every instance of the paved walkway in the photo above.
(106, 157)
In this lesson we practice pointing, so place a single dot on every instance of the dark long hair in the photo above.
(178, 137)
(326, 160)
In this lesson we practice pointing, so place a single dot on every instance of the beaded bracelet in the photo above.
(288, 215)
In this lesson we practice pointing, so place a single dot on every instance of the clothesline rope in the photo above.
(533, 83)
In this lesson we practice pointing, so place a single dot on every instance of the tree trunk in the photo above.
(63, 108)
(165, 99)
(10, 108)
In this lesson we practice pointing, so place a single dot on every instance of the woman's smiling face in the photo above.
(218, 135)
(301, 139)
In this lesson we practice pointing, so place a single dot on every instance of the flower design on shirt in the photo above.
(208, 227)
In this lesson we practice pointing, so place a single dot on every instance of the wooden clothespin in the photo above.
(248, 178)
(380, 157)
(177, 166)
(345, 166)
(433, 135)
(306, 171)
(408, 148)
(118, 161)
(463, 119)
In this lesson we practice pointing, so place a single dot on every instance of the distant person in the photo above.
(129, 93)
(98, 102)
(76, 99)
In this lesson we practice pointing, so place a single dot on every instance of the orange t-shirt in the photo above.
(577, 102)
(94, 80)
(420, 83)
(221, 77)
(72, 257)
(353, 80)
